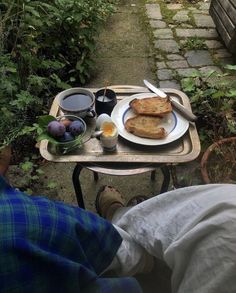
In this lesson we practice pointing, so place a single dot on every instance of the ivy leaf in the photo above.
(230, 67)
(232, 94)
(26, 166)
(44, 120)
(45, 135)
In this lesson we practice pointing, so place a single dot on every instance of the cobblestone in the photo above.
(174, 57)
(226, 61)
(186, 72)
(199, 58)
(161, 65)
(169, 46)
(181, 16)
(177, 64)
(222, 53)
(213, 44)
(203, 20)
(153, 11)
(204, 6)
(201, 33)
(164, 74)
(172, 84)
(159, 57)
(163, 33)
(187, 22)
(157, 24)
(174, 6)
(206, 69)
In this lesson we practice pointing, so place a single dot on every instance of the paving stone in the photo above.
(177, 64)
(226, 61)
(174, 6)
(169, 46)
(222, 53)
(193, 9)
(163, 33)
(161, 65)
(201, 33)
(186, 72)
(164, 74)
(159, 57)
(203, 20)
(206, 69)
(204, 6)
(205, 12)
(153, 11)
(175, 57)
(213, 44)
(172, 84)
(186, 25)
(181, 16)
(199, 58)
(157, 23)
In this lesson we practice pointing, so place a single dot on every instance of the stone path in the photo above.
(176, 28)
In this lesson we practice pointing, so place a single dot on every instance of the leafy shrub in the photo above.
(213, 100)
(43, 48)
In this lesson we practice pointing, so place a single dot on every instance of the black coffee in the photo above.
(76, 101)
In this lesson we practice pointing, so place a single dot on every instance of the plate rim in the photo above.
(145, 141)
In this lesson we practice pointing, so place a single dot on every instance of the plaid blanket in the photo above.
(47, 246)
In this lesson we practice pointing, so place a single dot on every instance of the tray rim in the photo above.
(153, 159)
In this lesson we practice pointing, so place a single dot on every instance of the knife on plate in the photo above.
(183, 110)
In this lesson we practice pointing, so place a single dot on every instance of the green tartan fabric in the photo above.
(48, 246)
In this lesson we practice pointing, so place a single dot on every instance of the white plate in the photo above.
(174, 124)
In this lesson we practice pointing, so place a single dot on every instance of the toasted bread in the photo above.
(154, 106)
(145, 126)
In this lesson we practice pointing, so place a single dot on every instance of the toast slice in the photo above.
(145, 126)
(154, 106)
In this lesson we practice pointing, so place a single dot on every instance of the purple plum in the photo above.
(56, 129)
(76, 127)
(67, 136)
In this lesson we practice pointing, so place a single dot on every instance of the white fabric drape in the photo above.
(192, 229)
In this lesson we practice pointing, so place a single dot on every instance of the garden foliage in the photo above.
(45, 47)
(213, 100)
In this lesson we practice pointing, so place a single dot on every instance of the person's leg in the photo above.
(5, 157)
(131, 258)
(193, 230)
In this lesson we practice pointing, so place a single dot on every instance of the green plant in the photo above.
(194, 43)
(213, 100)
(31, 175)
(44, 48)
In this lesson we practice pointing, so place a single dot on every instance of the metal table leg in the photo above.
(77, 187)
(166, 180)
(78, 191)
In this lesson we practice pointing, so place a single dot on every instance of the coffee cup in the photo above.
(105, 101)
(77, 101)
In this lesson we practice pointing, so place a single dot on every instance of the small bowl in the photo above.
(66, 147)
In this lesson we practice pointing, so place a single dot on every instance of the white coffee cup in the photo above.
(109, 136)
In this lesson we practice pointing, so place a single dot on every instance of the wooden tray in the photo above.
(185, 149)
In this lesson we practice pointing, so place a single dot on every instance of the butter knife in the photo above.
(183, 110)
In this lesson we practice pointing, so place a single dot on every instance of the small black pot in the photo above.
(105, 103)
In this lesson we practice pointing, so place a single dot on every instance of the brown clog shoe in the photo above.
(107, 201)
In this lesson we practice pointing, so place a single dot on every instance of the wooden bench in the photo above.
(223, 13)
